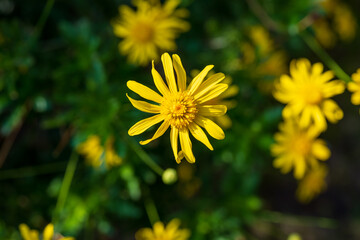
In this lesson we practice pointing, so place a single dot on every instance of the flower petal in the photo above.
(195, 83)
(144, 124)
(159, 82)
(48, 232)
(332, 111)
(174, 134)
(216, 91)
(180, 72)
(144, 91)
(212, 110)
(161, 130)
(199, 134)
(186, 145)
(144, 106)
(320, 150)
(169, 72)
(212, 128)
(208, 84)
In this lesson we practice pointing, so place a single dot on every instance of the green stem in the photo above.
(151, 210)
(65, 186)
(44, 16)
(32, 171)
(324, 56)
(146, 158)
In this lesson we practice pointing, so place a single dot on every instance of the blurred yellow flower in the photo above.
(261, 38)
(95, 154)
(306, 93)
(182, 108)
(297, 148)
(151, 28)
(324, 33)
(48, 233)
(354, 87)
(160, 232)
(312, 184)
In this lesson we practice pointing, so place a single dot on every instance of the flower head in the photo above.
(297, 148)
(160, 232)
(96, 154)
(312, 184)
(306, 93)
(152, 27)
(182, 108)
(48, 234)
(354, 87)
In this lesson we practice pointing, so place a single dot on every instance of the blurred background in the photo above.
(66, 157)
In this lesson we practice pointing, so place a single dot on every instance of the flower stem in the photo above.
(65, 186)
(44, 16)
(146, 158)
(324, 56)
(151, 210)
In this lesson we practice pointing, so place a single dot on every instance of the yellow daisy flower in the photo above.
(354, 87)
(306, 93)
(48, 234)
(159, 232)
(182, 108)
(297, 148)
(150, 29)
(95, 154)
(312, 184)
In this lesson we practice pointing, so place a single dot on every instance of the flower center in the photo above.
(180, 108)
(312, 95)
(301, 145)
(143, 32)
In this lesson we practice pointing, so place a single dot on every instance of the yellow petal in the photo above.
(208, 84)
(144, 124)
(332, 111)
(199, 134)
(212, 110)
(353, 87)
(186, 145)
(174, 133)
(158, 229)
(159, 82)
(195, 83)
(169, 72)
(144, 91)
(145, 234)
(320, 150)
(144, 106)
(180, 72)
(300, 168)
(48, 232)
(216, 91)
(24, 231)
(161, 130)
(212, 128)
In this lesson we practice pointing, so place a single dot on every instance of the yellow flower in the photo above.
(48, 234)
(150, 29)
(354, 87)
(297, 148)
(159, 232)
(306, 93)
(261, 38)
(345, 23)
(312, 184)
(95, 154)
(182, 108)
(324, 33)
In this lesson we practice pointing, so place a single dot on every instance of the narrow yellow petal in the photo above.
(199, 134)
(159, 82)
(180, 72)
(174, 134)
(144, 91)
(169, 72)
(212, 128)
(144, 106)
(320, 150)
(208, 84)
(144, 124)
(24, 231)
(186, 145)
(196, 82)
(332, 111)
(212, 110)
(216, 91)
(161, 130)
(48, 232)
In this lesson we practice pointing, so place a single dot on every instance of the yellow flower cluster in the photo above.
(354, 86)
(160, 232)
(306, 93)
(48, 233)
(95, 154)
(343, 23)
(151, 28)
(181, 108)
